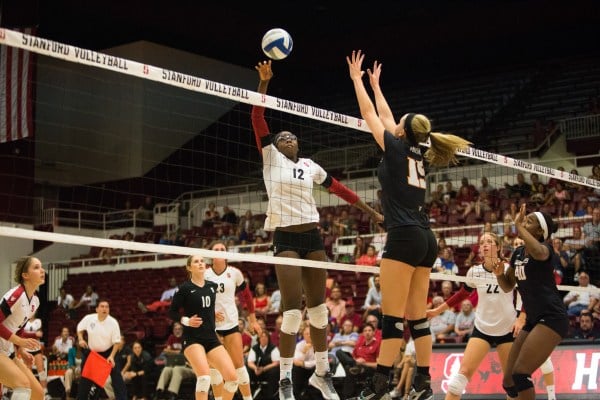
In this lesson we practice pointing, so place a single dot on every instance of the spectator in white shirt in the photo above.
(62, 344)
(579, 301)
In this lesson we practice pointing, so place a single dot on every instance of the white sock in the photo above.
(322, 362)
(551, 392)
(218, 398)
(285, 367)
(249, 397)
(21, 394)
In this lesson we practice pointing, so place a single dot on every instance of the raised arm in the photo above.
(536, 249)
(367, 109)
(345, 193)
(259, 124)
(383, 109)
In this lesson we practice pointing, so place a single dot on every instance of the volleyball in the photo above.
(277, 44)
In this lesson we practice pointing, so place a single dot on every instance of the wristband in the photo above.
(185, 321)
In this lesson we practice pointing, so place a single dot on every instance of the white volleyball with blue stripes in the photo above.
(277, 44)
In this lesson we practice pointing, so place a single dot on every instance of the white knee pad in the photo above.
(230, 386)
(291, 322)
(547, 367)
(243, 377)
(318, 316)
(21, 394)
(43, 376)
(457, 384)
(203, 383)
(215, 377)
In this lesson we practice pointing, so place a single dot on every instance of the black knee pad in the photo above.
(392, 327)
(522, 382)
(419, 328)
(511, 391)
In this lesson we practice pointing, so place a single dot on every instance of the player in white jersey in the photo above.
(33, 329)
(293, 215)
(17, 307)
(230, 282)
(495, 317)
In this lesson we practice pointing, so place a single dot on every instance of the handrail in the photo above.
(581, 127)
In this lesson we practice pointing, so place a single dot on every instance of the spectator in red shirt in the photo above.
(363, 360)
(352, 316)
(369, 258)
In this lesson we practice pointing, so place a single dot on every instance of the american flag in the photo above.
(16, 90)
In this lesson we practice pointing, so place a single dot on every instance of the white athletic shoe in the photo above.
(325, 385)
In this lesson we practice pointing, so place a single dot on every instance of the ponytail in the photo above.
(443, 149)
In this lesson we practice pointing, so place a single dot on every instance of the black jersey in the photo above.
(196, 300)
(537, 286)
(401, 175)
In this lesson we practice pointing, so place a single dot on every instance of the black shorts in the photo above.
(557, 323)
(208, 343)
(493, 340)
(302, 243)
(227, 332)
(412, 245)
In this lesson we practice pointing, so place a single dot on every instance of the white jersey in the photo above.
(495, 313)
(31, 327)
(102, 335)
(289, 187)
(15, 310)
(227, 283)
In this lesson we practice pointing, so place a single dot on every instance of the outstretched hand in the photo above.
(375, 74)
(355, 64)
(520, 218)
(264, 70)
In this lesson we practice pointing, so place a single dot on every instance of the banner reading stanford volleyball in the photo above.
(576, 373)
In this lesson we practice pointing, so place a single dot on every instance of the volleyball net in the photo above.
(108, 132)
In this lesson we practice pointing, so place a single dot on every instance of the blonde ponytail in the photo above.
(443, 148)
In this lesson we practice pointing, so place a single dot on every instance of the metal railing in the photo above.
(94, 220)
(581, 127)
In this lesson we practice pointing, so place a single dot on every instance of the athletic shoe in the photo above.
(286, 391)
(376, 390)
(421, 388)
(395, 394)
(325, 385)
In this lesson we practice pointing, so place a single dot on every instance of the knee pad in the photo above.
(522, 381)
(291, 321)
(243, 377)
(230, 386)
(21, 393)
(392, 327)
(203, 383)
(457, 384)
(419, 328)
(43, 376)
(318, 316)
(511, 391)
(215, 377)
(547, 367)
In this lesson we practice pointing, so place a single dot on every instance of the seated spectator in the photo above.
(88, 300)
(483, 204)
(591, 232)
(62, 344)
(335, 304)
(485, 187)
(520, 189)
(275, 333)
(263, 366)
(359, 248)
(497, 226)
(445, 264)
(73, 371)
(275, 307)
(259, 245)
(362, 361)
(576, 302)
(539, 196)
(211, 215)
(582, 207)
(175, 340)
(107, 255)
(369, 258)
(146, 209)
(304, 363)
(66, 302)
(574, 248)
(246, 337)
(270, 278)
(169, 381)
(446, 291)
(162, 305)
(372, 303)
(586, 330)
(137, 370)
(559, 196)
(248, 226)
(566, 211)
(352, 316)
(229, 216)
(465, 321)
(465, 202)
(449, 194)
(344, 340)
(262, 302)
(560, 260)
(442, 326)
(407, 367)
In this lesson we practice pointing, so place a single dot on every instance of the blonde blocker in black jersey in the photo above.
(411, 245)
